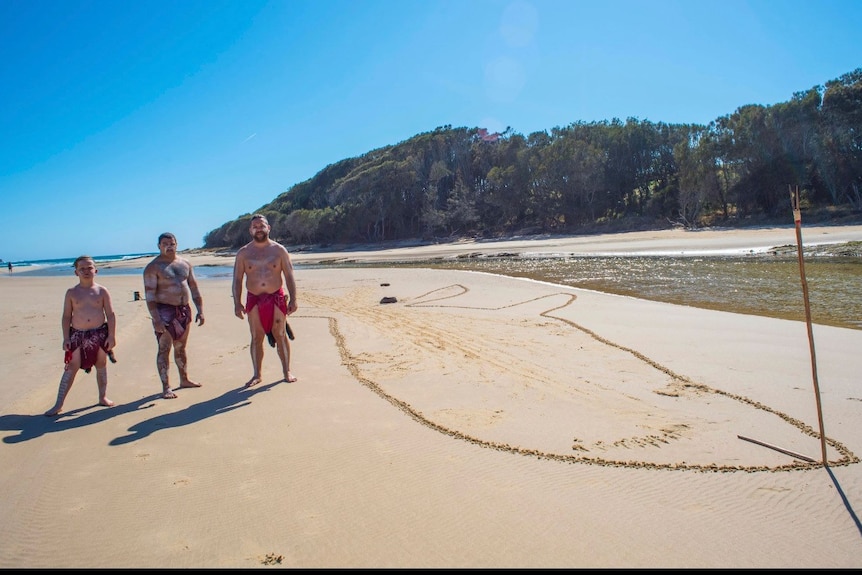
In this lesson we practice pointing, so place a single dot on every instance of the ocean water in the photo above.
(758, 285)
(63, 267)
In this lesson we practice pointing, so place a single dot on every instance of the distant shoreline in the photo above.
(844, 240)
(705, 242)
(712, 241)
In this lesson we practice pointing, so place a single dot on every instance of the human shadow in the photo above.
(228, 401)
(847, 504)
(33, 426)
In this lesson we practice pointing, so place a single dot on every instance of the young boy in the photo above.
(89, 325)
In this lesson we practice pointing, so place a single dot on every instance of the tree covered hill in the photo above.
(615, 175)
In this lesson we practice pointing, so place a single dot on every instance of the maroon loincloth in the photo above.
(266, 304)
(175, 317)
(89, 341)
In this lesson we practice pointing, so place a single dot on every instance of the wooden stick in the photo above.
(797, 217)
(784, 451)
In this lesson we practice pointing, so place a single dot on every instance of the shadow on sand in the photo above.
(35, 426)
(228, 401)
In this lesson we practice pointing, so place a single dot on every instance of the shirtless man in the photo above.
(169, 284)
(89, 326)
(263, 262)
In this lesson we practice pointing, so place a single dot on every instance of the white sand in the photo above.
(479, 421)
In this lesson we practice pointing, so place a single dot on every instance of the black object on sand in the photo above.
(271, 338)
(110, 356)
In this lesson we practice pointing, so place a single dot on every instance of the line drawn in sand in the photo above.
(654, 393)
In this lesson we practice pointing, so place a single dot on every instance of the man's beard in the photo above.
(260, 236)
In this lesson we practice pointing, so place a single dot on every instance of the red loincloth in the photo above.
(89, 341)
(266, 304)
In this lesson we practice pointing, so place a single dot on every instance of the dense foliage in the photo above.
(459, 182)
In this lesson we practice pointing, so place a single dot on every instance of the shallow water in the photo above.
(758, 285)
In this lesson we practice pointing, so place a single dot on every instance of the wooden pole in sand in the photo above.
(797, 218)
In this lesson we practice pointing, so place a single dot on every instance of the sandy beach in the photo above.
(477, 421)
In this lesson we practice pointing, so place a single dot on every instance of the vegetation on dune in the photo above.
(587, 177)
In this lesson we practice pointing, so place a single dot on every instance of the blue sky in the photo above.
(121, 120)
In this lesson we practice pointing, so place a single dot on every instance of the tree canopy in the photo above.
(464, 182)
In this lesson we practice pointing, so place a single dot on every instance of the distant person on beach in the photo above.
(169, 286)
(89, 327)
(264, 262)
(10, 267)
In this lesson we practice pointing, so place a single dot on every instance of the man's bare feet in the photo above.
(252, 382)
(290, 378)
(106, 402)
(53, 411)
(168, 394)
(189, 384)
